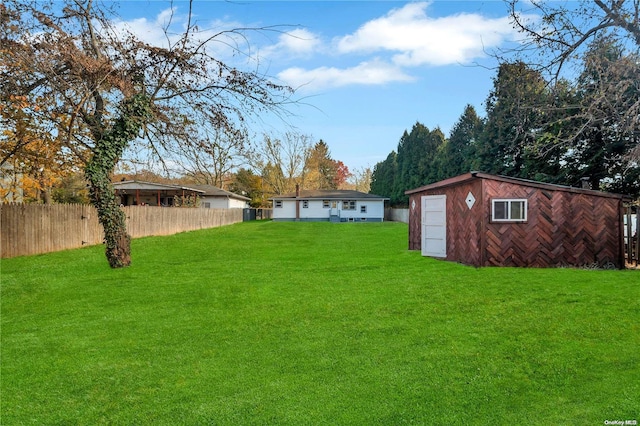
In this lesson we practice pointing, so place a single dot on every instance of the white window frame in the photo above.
(277, 204)
(509, 203)
(326, 204)
(349, 205)
(305, 204)
(363, 208)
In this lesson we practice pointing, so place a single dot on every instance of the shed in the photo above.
(486, 220)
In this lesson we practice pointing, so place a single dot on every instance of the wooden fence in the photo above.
(632, 236)
(27, 229)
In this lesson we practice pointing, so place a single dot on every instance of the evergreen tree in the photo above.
(459, 154)
(321, 171)
(416, 154)
(513, 120)
(383, 178)
(607, 88)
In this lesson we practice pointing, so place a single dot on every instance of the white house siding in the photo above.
(222, 203)
(286, 212)
(375, 211)
(237, 204)
(316, 212)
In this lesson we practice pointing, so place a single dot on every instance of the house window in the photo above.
(207, 205)
(305, 204)
(509, 210)
(325, 204)
(277, 204)
(348, 205)
(363, 209)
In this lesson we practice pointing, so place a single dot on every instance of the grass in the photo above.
(312, 323)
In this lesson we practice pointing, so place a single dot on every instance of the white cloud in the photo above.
(405, 37)
(299, 41)
(418, 39)
(169, 25)
(374, 72)
(148, 31)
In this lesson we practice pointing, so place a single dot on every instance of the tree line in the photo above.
(273, 165)
(563, 131)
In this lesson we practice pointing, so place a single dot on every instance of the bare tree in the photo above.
(281, 162)
(558, 39)
(360, 179)
(210, 158)
(103, 88)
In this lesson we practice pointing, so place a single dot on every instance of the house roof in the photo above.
(214, 191)
(151, 186)
(203, 190)
(331, 194)
(517, 181)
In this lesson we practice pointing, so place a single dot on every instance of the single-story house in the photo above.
(134, 192)
(139, 193)
(486, 220)
(328, 205)
(216, 198)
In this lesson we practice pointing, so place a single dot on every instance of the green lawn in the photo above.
(312, 323)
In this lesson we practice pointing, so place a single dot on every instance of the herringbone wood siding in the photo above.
(563, 228)
(464, 225)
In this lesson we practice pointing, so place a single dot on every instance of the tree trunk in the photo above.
(112, 218)
(107, 151)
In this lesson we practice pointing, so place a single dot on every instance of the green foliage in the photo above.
(606, 89)
(557, 134)
(460, 152)
(71, 189)
(513, 115)
(312, 323)
(106, 153)
(417, 163)
(251, 185)
(383, 178)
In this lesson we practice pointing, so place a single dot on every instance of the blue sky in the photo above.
(366, 71)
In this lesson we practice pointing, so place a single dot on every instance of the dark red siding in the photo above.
(464, 225)
(563, 227)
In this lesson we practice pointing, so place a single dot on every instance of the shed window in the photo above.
(509, 210)
(277, 204)
(305, 204)
(348, 205)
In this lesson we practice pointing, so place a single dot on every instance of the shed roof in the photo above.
(516, 181)
(330, 194)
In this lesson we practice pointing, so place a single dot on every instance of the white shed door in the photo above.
(434, 225)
